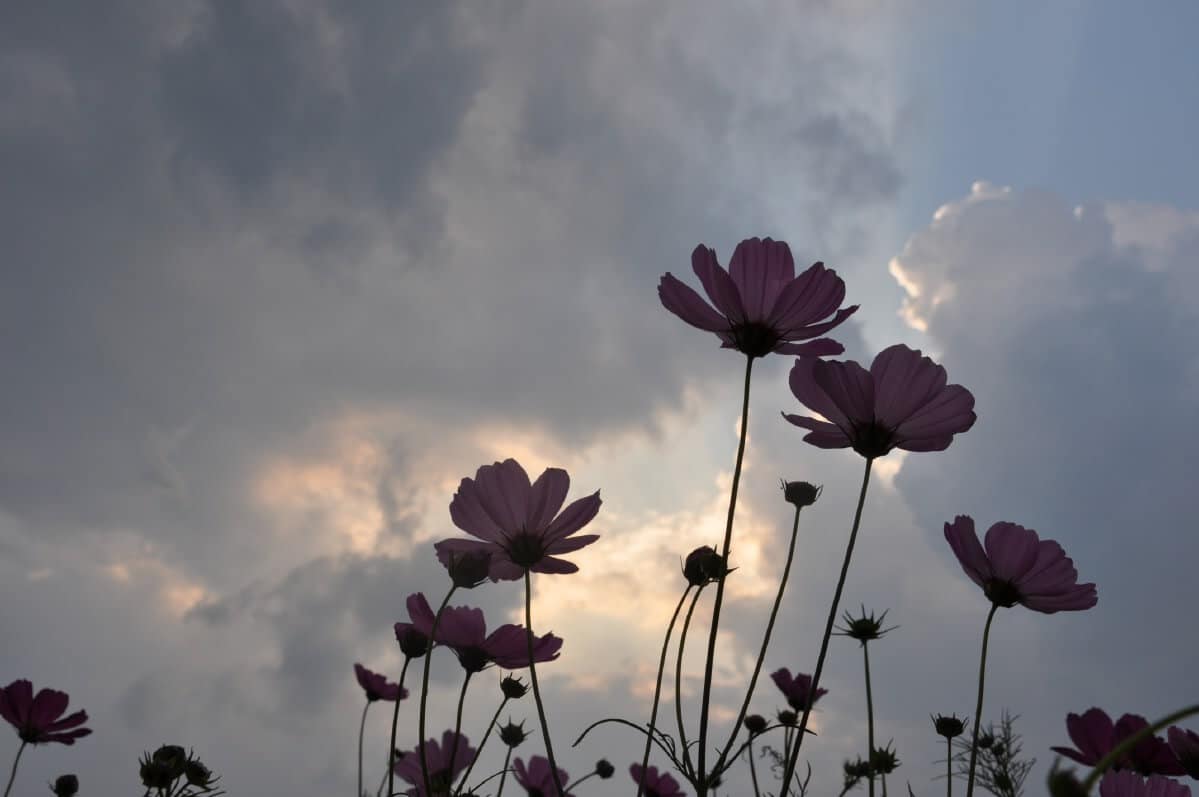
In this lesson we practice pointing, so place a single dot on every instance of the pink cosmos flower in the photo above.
(903, 401)
(1185, 745)
(798, 689)
(37, 719)
(442, 771)
(464, 629)
(377, 687)
(1019, 567)
(654, 784)
(537, 778)
(761, 306)
(1129, 784)
(1094, 734)
(414, 636)
(518, 523)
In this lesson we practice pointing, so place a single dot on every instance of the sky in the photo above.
(279, 275)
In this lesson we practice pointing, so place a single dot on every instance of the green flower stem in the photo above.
(395, 715)
(678, 679)
(653, 714)
(545, 728)
(479, 752)
(724, 553)
(869, 716)
(778, 599)
(1123, 747)
(458, 720)
(15, 761)
(793, 759)
(978, 706)
(361, 731)
(424, 694)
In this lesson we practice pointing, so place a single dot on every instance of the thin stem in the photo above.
(753, 770)
(724, 553)
(778, 599)
(653, 714)
(424, 694)
(978, 706)
(1132, 741)
(678, 677)
(869, 712)
(382, 783)
(361, 731)
(395, 715)
(828, 628)
(948, 766)
(504, 772)
(458, 721)
(590, 774)
(15, 761)
(479, 751)
(545, 728)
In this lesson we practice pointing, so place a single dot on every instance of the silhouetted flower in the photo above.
(797, 690)
(703, 566)
(518, 523)
(464, 629)
(512, 734)
(604, 768)
(655, 784)
(755, 724)
(468, 569)
(1130, 784)
(442, 771)
(864, 628)
(788, 718)
(377, 687)
(65, 786)
(856, 770)
(537, 778)
(1185, 745)
(883, 760)
(414, 636)
(950, 727)
(903, 401)
(155, 774)
(513, 688)
(761, 306)
(196, 773)
(1065, 783)
(1019, 567)
(1094, 734)
(801, 494)
(37, 718)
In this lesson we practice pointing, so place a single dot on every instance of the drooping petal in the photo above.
(760, 268)
(68, 722)
(964, 541)
(688, 305)
(717, 284)
(570, 544)
(458, 547)
(552, 564)
(821, 347)
(822, 434)
(547, 496)
(1074, 599)
(577, 514)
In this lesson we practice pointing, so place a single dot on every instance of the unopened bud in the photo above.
(801, 494)
(65, 786)
(604, 768)
(704, 566)
(513, 688)
(755, 724)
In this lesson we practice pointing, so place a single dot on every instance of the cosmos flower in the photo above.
(518, 523)
(1019, 567)
(1129, 784)
(654, 784)
(1094, 734)
(903, 401)
(414, 636)
(464, 630)
(797, 690)
(377, 687)
(37, 719)
(761, 306)
(536, 777)
(1185, 745)
(442, 771)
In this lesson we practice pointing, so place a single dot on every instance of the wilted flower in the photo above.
(703, 566)
(761, 306)
(903, 401)
(37, 718)
(797, 690)
(1019, 567)
(755, 724)
(883, 760)
(1095, 736)
(866, 627)
(604, 768)
(468, 569)
(513, 688)
(654, 784)
(1130, 784)
(377, 687)
(464, 630)
(414, 636)
(801, 494)
(537, 778)
(1185, 745)
(442, 771)
(950, 727)
(513, 734)
(65, 786)
(518, 523)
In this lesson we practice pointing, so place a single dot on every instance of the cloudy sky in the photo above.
(278, 275)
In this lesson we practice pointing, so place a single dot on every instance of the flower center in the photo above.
(755, 339)
(1002, 592)
(872, 439)
(525, 549)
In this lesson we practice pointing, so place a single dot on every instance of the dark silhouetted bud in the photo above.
(155, 774)
(1002, 782)
(513, 688)
(513, 734)
(755, 724)
(788, 718)
(883, 760)
(985, 740)
(65, 786)
(703, 566)
(197, 774)
(801, 494)
(173, 757)
(950, 727)
(468, 570)
(1063, 783)
(604, 768)
(856, 770)
(413, 643)
(864, 627)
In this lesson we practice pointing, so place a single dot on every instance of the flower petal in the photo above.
(47, 707)
(577, 515)
(718, 285)
(964, 541)
(688, 305)
(822, 434)
(546, 498)
(904, 382)
(761, 268)
(1012, 550)
(570, 544)
(468, 514)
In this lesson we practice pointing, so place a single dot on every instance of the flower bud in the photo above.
(65, 786)
(865, 627)
(1063, 783)
(154, 774)
(467, 569)
(604, 768)
(883, 760)
(950, 727)
(703, 566)
(173, 757)
(788, 718)
(197, 774)
(755, 724)
(513, 688)
(413, 643)
(513, 734)
(801, 494)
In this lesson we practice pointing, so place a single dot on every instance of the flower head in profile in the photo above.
(797, 690)
(518, 522)
(39, 719)
(865, 627)
(949, 727)
(414, 636)
(442, 771)
(537, 778)
(1130, 784)
(1185, 745)
(1019, 567)
(464, 630)
(377, 687)
(1095, 735)
(760, 305)
(903, 401)
(655, 784)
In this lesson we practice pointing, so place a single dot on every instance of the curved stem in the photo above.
(504, 772)
(391, 745)
(1132, 741)
(869, 712)
(778, 599)
(653, 714)
(479, 751)
(948, 767)
(678, 677)
(13, 775)
(828, 628)
(424, 694)
(590, 774)
(458, 721)
(753, 770)
(724, 553)
(545, 728)
(978, 706)
(361, 731)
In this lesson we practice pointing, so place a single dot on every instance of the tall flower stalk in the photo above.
(545, 727)
(978, 705)
(653, 714)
